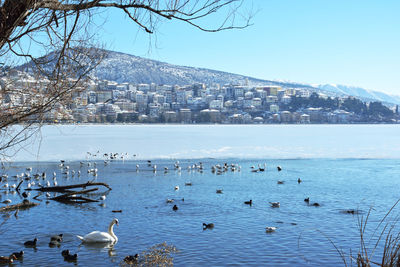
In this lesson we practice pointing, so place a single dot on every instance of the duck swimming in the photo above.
(131, 259)
(250, 202)
(69, 257)
(275, 204)
(270, 229)
(208, 226)
(10, 259)
(31, 243)
(57, 238)
(18, 255)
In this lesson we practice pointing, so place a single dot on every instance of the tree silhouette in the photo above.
(63, 31)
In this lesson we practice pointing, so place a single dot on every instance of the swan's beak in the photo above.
(117, 223)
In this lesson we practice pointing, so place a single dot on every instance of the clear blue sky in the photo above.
(351, 42)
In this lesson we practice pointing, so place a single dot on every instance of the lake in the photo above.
(71, 142)
(342, 167)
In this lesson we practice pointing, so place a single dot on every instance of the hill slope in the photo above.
(121, 67)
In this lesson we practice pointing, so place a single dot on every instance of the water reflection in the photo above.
(100, 248)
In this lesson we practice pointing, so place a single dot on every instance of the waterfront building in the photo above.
(286, 116)
(170, 116)
(185, 115)
(305, 118)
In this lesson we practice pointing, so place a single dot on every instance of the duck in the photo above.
(9, 259)
(307, 200)
(103, 197)
(57, 238)
(70, 257)
(131, 259)
(18, 255)
(279, 168)
(270, 229)
(316, 204)
(275, 204)
(170, 200)
(299, 180)
(31, 243)
(188, 184)
(101, 237)
(65, 252)
(208, 226)
(175, 208)
(177, 188)
(219, 191)
(54, 243)
(250, 202)
(281, 182)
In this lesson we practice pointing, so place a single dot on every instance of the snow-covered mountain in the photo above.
(360, 92)
(121, 67)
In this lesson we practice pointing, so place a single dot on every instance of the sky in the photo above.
(350, 42)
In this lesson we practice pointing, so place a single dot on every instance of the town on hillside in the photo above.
(111, 102)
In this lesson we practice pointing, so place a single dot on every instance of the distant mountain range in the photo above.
(121, 67)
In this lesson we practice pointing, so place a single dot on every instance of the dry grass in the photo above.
(385, 230)
(157, 255)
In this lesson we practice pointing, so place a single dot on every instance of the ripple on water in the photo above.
(303, 236)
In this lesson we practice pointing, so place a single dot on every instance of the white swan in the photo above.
(101, 237)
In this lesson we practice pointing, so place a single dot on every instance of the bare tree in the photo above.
(62, 29)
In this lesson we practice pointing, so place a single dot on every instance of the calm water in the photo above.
(342, 167)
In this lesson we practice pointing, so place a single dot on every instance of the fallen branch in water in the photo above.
(66, 188)
(71, 197)
(17, 189)
(20, 206)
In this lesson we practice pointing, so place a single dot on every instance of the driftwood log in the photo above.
(66, 188)
(71, 197)
(19, 206)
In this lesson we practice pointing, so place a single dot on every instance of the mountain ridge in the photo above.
(122, 67)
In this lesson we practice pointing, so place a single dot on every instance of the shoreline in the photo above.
(208, 124)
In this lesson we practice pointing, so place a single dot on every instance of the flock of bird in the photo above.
(222, 168)
(54, 241)
(36, 179)
(41, 179)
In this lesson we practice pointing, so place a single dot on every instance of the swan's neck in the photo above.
(111, 232)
